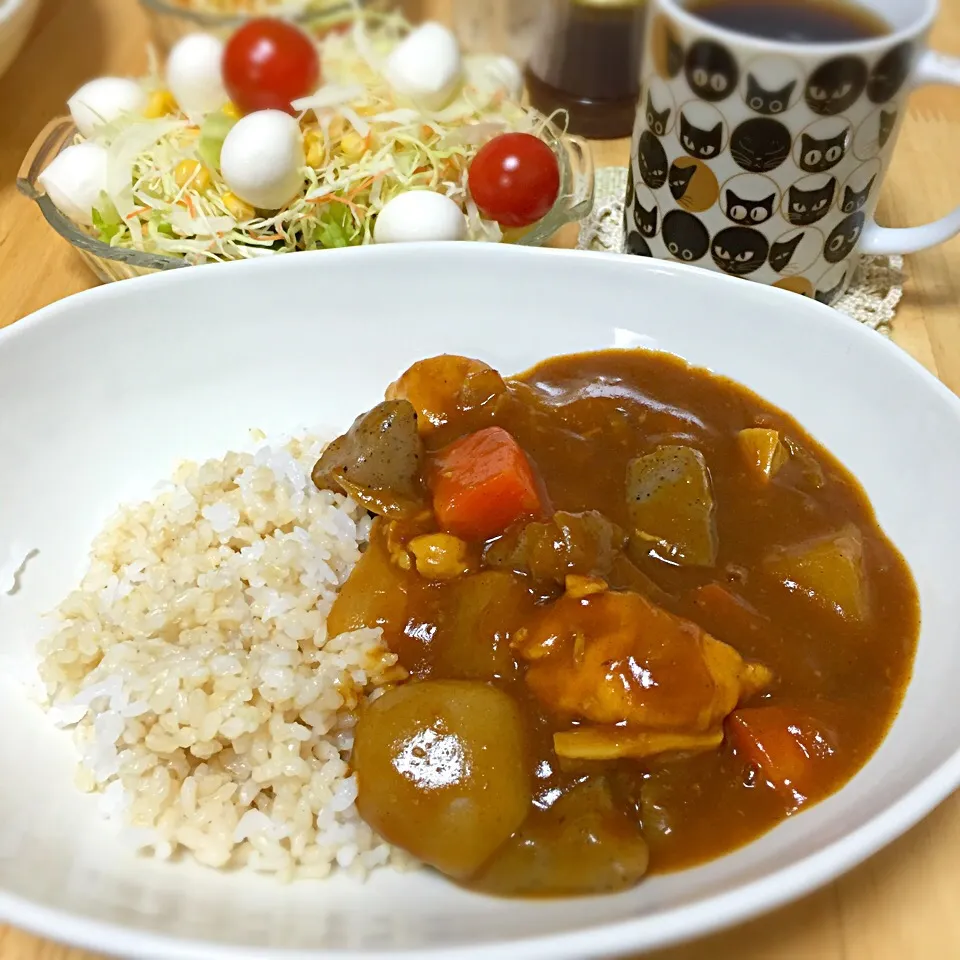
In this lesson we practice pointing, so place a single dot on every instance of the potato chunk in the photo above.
(441, 772)
(670, 501)
(581, 844)
(828, 570)
(762, 451)
(479, 615)
(376, 594)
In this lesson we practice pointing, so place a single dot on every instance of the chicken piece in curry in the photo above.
(644, 617)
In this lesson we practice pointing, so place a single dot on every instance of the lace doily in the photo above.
(871, 299)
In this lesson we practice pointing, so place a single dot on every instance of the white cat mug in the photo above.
(764, 159)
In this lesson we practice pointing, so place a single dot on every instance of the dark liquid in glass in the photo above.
(587, 62)
(793, 21)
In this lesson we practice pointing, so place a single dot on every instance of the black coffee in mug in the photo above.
(793, 21)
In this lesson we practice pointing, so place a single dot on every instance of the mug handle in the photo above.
(934, 68)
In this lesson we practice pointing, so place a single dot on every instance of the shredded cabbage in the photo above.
(400, 147)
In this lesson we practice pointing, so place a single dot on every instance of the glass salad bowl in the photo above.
(170, 20)
(573, 203)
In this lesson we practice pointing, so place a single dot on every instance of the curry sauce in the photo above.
(696, 630)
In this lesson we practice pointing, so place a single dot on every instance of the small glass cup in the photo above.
(110, 263)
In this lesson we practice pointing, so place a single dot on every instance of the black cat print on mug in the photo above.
(711, 71)
(652, 160)
(680, 178)
(657, 121)
(890, 73)
(853, 200)
(693, 184)
(781, 252)
(760, 145)
(749, 211)
(843, 238)
(828, 296)
(636, 245)
(836, 85)
(646, 219)
(700, 143)
(768, 102)
(805, 207)
(686, 238)
(817, 156)
(739, 250)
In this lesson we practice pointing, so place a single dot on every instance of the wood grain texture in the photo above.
(898, 905)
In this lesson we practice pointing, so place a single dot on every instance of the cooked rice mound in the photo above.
(209, 705)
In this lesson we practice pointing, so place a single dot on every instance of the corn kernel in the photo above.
(231, 110)
(400, 557)
(336, 128)
(578, 586)
(440, 556)
(314, 147)
(192, 172)
(159, 104)
(237, 208)
(353, 146)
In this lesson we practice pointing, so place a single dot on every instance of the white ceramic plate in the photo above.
(100, 395)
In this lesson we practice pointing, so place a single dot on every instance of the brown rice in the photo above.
(209, 706)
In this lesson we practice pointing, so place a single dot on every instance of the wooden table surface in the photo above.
(901, 904)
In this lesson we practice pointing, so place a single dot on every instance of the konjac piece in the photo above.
(670, 502)
(583, 843)
(616, 658)
(828, 570)
(378, 461)
(441, 771)
(441, 388)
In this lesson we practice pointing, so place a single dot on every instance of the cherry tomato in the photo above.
(514, 179)
(267, 63)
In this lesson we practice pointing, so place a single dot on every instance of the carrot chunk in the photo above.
(483, 483)
(788, 747)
